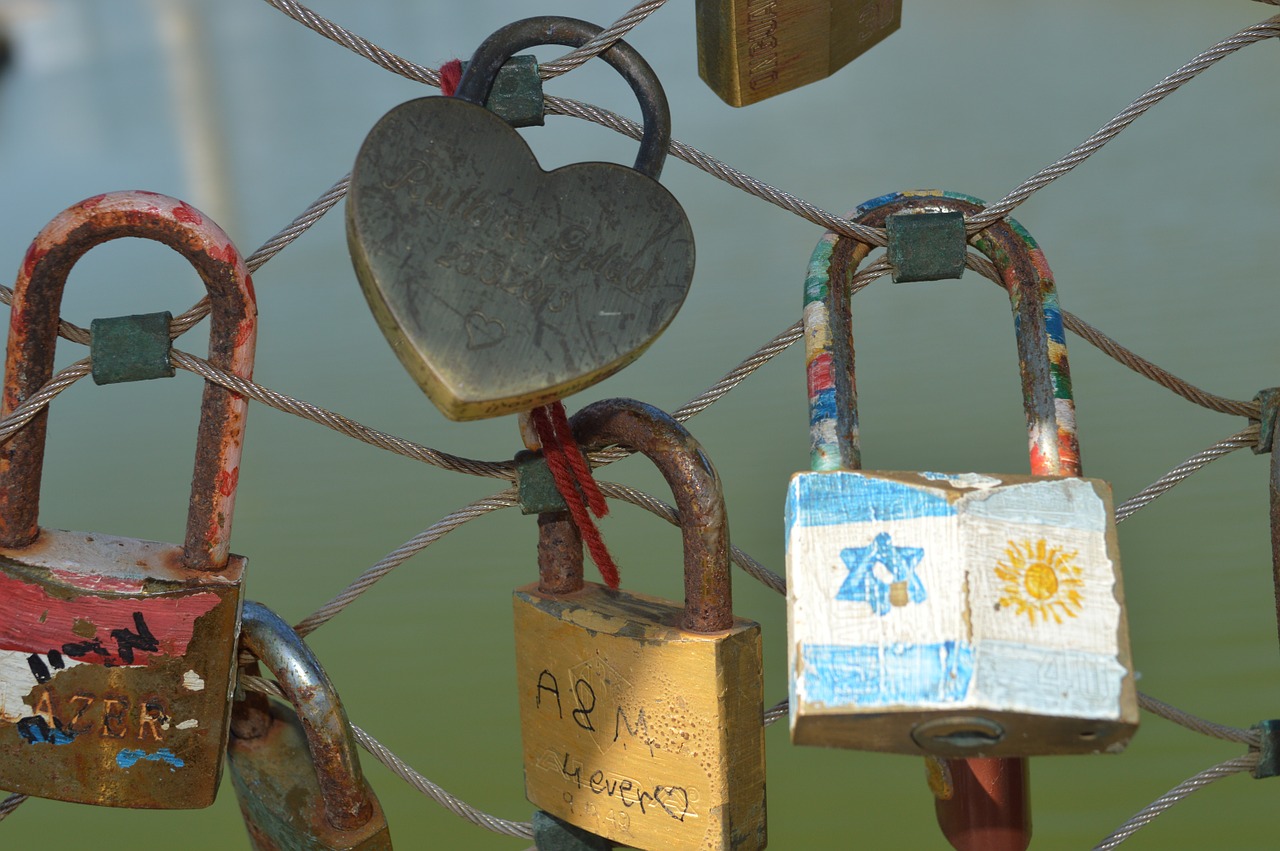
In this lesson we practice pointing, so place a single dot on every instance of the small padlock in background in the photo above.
(749, 50)
(117, 675)
(297, 773)
(502, 287)
(642, 722)
(956, 615)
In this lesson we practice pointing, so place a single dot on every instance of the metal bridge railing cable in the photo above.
(1176, 794)
(1269, 28)
(1144, 497)
(652, 504)
(339, 423)
(1160, 376)
(406, 772)
(504, 470)
(273, 246)
(602, 42)
(1252, 738)
(39, 400)
(398, 556)
(11, 803)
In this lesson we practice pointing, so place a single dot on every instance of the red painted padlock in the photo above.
(116, 654)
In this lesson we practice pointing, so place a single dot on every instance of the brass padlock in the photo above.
(502, 287)
(116, 674)
(749, 50)
(956, 615)
(642, 722)
(296, 773)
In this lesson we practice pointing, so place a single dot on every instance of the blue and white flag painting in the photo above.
(926, 591)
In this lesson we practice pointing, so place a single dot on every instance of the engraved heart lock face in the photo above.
(501, 286)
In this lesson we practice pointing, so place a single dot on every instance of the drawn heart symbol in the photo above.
(673, 799)
(500, 286)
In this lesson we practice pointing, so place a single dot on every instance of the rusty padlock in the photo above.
(296, 773)
(116, 674)
(642, 721)
(953, 615)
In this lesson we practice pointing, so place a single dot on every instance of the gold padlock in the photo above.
(749, 50)
(642, 722)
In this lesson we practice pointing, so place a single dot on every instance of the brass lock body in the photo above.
(296, 773)
(116, 674)
(953, 615)
(642, 721)
(749, 50)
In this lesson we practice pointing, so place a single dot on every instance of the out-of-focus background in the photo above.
(1166, 240)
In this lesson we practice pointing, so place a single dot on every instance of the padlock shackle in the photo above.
(695, 485)
(329, 738)
(490, 56)
(33, 333)
(1042, 352)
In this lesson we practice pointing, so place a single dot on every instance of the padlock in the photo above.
(956, 615)
(296, 771)
(116, 673)
(502, 287)
(643, 722)
(749, 50)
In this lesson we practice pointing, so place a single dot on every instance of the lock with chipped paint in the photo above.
(502, 287)
(956, 615)
(296, 771)
(642, 722)
(116, 654)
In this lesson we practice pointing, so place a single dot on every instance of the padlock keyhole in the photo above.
(958, 735)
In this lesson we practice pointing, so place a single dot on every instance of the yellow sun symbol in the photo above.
(1040, 580)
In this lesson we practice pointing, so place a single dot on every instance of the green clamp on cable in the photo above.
(1269, 751)
(552, 834)
(516, 97)
(536, 485)
(1269, 401)
(131, 348)
(926, 246)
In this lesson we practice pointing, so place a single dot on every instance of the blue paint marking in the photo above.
(871, 675)
(863, 585)
(829, 499)
(1053, 319)
(822, 406)
(128, 758)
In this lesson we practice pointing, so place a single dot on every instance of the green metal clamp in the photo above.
(926, 246)
(131, 348)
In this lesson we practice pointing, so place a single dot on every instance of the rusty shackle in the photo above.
(695, 485)
(324, 721)
(33, 332)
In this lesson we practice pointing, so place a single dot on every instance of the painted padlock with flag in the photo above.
(953, 614)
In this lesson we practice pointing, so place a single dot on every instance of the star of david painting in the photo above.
(864, 584)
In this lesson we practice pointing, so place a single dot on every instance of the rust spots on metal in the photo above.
(33, 333)
(348, 804)
(695, 486)
(559, 554)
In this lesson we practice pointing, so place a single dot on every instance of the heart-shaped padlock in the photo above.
(501, 286)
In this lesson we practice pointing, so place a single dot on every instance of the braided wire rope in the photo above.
(873, 236)
(406, 772)
(1177, 793)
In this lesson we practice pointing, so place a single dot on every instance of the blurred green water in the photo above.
(1164, 240)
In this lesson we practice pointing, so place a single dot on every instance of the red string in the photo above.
(559, 449)
(564, 435)
(450, 76)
